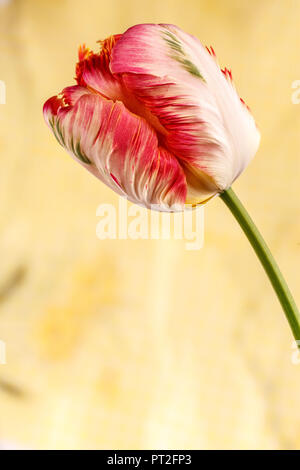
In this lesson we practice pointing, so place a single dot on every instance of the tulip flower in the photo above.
(156, 119)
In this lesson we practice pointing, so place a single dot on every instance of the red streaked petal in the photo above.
(93, 70)
(71, 94)
(182, 85)
(68, 97)
(51, 107)
(122, 150)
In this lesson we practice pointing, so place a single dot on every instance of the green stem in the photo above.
(266, 258)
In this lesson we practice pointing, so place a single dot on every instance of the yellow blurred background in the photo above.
(142, 344)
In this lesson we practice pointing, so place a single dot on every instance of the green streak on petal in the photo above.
(190, 67)
(78, 153)
(173, 42)
(53, 127)
(60, 133)
(81, 155)
(76, 150)
(179, 54)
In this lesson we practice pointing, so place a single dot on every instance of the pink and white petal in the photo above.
(68, 97)
(96, 76)
(122, 150)
(51, 108)
(71, 94)
(237, 118)
(93, 72)
(181, 84)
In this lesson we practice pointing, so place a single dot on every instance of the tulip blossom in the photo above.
(156, 119)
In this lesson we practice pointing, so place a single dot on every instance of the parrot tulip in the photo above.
(155, 118)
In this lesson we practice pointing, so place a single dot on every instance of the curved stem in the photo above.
(266, 258)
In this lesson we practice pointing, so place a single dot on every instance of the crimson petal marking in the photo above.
(93, 72)
(123, 150)
(72, 94)
(183, 86)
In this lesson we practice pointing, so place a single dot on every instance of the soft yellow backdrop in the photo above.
(143, 344)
